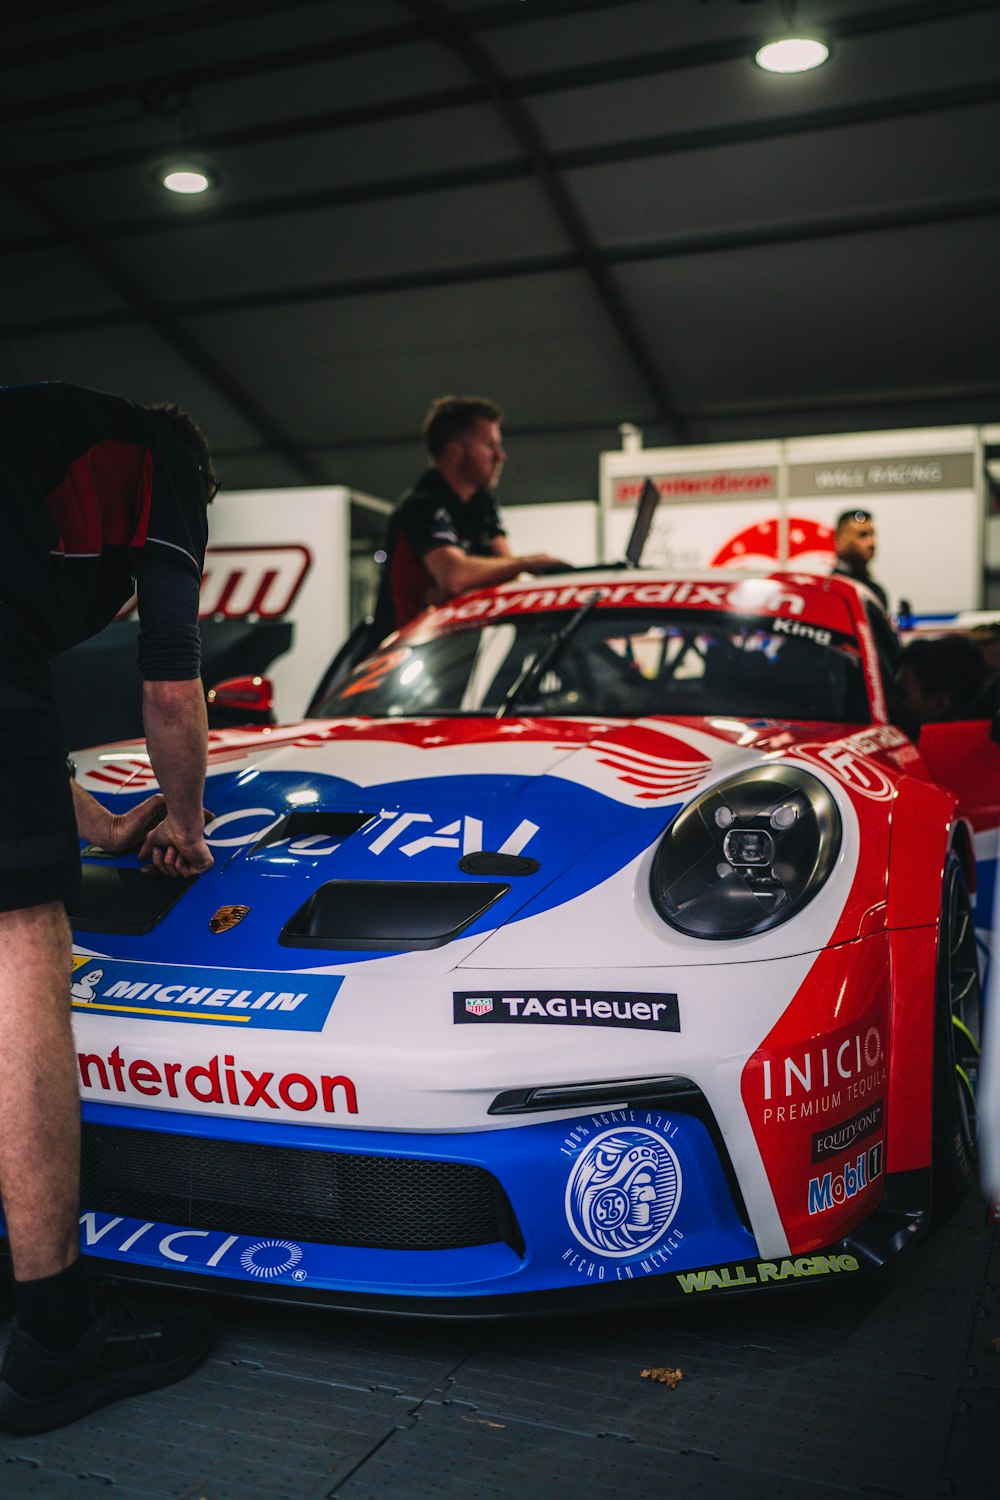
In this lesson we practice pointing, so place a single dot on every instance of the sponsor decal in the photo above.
(635, 1011)
(253, 998)
(854, 771)
(657, 764)
(270, 1258)
(227, 917)
(261, 581)
(769, 598)
(622, 1194)
(931, 471)
(386, 830)
(118, 769)
(806, 545)
(849, 759)
(460, 833)
(216, 1081)
(878, 737)
(759, 1273)
(822, 1080)
(373, 671)
(718, 483)
(113, 1237)
(815, 633)
(832, 1190)
(837, 1138)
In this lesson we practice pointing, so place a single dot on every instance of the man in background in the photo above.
(854, 544)
(446, 535)
(96, 494)
(938, 680)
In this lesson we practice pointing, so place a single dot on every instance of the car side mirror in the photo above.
(241, 701)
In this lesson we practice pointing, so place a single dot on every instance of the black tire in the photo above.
(958, 1020)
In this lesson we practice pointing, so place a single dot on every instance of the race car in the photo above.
(597, 935)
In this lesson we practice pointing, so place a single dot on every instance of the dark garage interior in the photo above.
(598, 212)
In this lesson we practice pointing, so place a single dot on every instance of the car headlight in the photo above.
(747, 854)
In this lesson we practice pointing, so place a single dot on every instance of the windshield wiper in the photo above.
(532, 673)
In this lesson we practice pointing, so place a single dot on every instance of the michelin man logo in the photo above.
(84, 990)
(623, 1192)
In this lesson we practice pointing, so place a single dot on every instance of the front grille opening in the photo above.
(330, 1197)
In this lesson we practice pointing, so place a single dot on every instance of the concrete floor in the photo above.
(888, 1388)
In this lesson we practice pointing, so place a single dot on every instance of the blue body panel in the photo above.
(617, 1196)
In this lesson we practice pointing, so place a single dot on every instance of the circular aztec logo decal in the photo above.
(269, 1258)
(623, 1192)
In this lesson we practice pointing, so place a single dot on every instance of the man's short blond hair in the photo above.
(452, 416)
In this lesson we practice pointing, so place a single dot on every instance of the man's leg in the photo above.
(39, 1094)
(70, 1351)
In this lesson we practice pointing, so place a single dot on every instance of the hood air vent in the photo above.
(303, 823)
(486, 862)
(126, 901)
(388, 915)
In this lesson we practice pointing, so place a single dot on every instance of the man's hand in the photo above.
(172, 852)
(541, 562)
(118, 833)
(177, 737)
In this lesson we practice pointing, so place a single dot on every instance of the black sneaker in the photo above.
(6, 1288)
(126, 1350)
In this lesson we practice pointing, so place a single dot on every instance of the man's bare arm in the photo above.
(176, 726)
(454, 571)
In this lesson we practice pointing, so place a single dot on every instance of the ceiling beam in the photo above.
(166, 324)
(674, 143)
(640, 65)
(146, 27)
(712, 242)
(449, 31)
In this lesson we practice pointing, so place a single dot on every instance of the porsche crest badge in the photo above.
(226, 917)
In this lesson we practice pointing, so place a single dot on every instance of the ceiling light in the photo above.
(185, 177)
(792, 54)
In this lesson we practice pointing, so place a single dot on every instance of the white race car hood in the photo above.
(393, 841)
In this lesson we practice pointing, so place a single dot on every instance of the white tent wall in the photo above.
(286, 553)
(776, 503)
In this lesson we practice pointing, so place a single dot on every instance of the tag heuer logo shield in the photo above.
(478, 1005)
(226, 917)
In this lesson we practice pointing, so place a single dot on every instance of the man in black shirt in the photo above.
(854, 543)
(445, 535)
(95, 492)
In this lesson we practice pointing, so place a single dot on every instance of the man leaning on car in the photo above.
(445, 535)
(97, 494)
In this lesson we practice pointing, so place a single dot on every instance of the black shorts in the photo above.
(39, 847)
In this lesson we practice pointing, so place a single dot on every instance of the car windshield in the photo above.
(615, 663)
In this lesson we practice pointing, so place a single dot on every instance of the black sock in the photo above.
(55, 1310)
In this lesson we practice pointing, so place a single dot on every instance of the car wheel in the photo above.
(958, 1032)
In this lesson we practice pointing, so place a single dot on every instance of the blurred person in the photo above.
(446, 534)
(854, 544)
(936, 680)
(97, 496)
